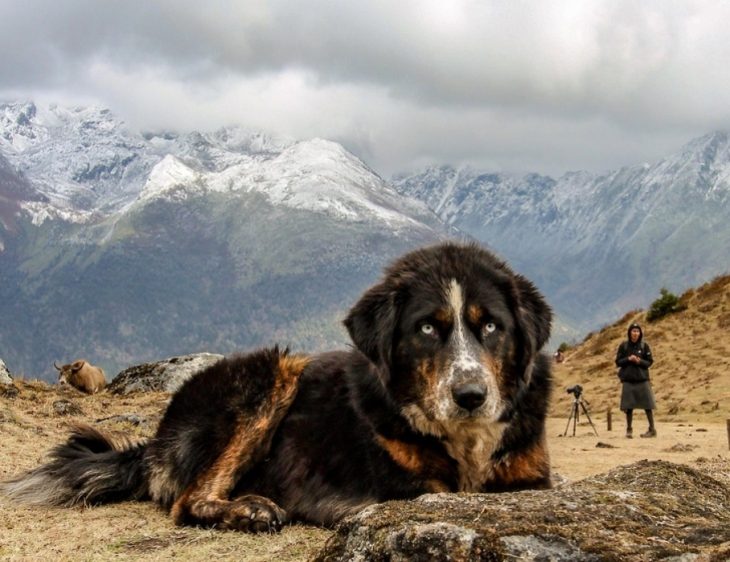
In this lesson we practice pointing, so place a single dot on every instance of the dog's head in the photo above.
(454, 333)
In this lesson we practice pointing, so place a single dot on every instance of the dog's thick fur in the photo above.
(445, 390)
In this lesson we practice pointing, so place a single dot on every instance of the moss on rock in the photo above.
(645, 511)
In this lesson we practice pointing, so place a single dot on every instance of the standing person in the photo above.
(634, 359)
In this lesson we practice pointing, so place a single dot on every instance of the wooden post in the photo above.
(728, 434)
(608, 420)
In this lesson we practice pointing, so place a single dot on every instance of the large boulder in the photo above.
(165, 376)
(5, 377)
(646, 511)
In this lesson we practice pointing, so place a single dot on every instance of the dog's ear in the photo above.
(371, 324)
(533, 314)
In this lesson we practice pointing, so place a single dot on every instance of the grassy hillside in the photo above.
(691, 371)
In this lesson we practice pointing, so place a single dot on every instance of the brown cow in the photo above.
(82, 375)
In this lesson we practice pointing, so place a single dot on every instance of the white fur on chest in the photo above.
(472, 448)
(469, 442)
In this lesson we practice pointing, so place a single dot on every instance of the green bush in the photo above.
(667, 303)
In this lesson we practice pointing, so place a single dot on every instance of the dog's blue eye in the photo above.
(490, 327)
(428, 329)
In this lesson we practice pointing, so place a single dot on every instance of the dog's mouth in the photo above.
(489, 411)
(439, 418)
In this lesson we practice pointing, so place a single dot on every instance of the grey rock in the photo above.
(5, 377)
(66, 408)
(132, 419)
(165, 376)
(645, 511)
(555, 549)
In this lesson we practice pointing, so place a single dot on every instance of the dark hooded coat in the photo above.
(636, 392)
(629, 371)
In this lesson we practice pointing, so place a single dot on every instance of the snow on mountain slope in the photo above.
(482, 198)
(169, 178)
(579, 201)
(87, 162)
(322, 176)
(80, 158)
(315, 175)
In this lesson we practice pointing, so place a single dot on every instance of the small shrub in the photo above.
(667, 303)
(563, 347)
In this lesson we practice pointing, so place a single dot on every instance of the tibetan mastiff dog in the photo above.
(444, 390)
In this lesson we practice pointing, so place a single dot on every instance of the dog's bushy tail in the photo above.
(90, 468)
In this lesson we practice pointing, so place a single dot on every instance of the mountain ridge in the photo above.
(186, 245)
(597, 244)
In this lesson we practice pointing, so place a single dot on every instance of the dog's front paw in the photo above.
(254, 514)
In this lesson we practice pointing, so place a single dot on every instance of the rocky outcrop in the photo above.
(646, 511)
(165, 376)
(5, 377)
(66, 408)
(7, 388)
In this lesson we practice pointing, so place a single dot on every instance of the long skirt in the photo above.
(637, 396)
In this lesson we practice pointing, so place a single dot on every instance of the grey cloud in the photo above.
(411, 80)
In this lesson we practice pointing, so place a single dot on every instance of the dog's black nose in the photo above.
(469, 396)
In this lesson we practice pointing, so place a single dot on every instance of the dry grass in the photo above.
(30, 426)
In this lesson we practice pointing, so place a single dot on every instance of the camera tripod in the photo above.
(578, 404)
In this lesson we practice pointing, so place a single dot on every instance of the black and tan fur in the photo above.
(445, 389)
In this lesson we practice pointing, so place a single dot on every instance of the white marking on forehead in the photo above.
(463, 359)
(456, 297)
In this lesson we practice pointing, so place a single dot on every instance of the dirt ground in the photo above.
(35, 420)
(701, 445)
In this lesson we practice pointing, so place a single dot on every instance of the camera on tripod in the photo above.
(575, 390)
(579, 404)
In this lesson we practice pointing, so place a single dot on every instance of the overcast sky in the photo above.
(515, 86)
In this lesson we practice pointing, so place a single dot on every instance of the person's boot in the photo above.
(629, 423)
(650, 419)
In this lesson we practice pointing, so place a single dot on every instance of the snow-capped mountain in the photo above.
(80, 159)
(316, 175)
(598, 244)
(85, 161)
(128, 247)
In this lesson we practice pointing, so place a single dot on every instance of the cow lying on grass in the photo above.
(82, 375)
